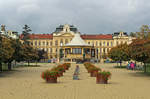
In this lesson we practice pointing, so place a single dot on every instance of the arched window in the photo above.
(103, 43)
(61, 41)
(43, 42)
(100, 44)
(56, 42)
(96, 43)
(51, 43)
(39, 43)
(35, 43)
(47, 43)
(111, 43)
(104, 50)
(107, 43)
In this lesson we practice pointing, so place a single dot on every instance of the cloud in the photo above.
(90, 16)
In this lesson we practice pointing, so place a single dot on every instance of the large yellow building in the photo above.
(55, 43)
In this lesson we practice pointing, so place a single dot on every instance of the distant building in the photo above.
(9, 33)
(56, 43)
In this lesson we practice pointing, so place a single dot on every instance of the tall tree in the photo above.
(18, 52)
(6, 51)
(1, 52)
(25, 33)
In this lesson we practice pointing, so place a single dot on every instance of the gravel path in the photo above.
(26, 83)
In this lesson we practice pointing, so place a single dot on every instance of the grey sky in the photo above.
(90, 16)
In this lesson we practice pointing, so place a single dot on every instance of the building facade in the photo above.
(101, 43)
(9, 33)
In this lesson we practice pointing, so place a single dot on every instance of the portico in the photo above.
(77, 50)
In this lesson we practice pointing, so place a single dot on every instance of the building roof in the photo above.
(99, 36)
(39, 36)
(77, 41)
(85, 36)
(61, 27)
(118, 33)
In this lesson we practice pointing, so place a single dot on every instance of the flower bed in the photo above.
(51, 75)
(93, 70)
(101, 76)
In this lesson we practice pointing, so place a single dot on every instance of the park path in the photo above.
(26, 83)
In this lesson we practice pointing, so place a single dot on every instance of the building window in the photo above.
(51, 43)
(111, 43)
(56, 50)
(107, 49)
(35, 43)
(107, 43)
(31, 43)
(47, 43)
(104, 50)
(61, 41)
(87, 51)
(100, 50)
(39, 43)
(96, 43)
(93, 43)
(100, 44)
(56, 42)
(43, 42)
(103, 43)
(76, 50)
(51, 50)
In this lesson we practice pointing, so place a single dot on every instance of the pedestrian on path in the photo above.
(75, 76)
(132, 65)
(128, 66)
(76, 73)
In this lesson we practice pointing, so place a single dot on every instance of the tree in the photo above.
(30, 54)
(132, 34)
(1, 53)
(26, 33)
(6, 50)
(144, 32)
(119, 53)
(18, 53)
(140, 51)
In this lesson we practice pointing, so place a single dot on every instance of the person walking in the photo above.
(76, 73)
(132, 65)
(128, 65)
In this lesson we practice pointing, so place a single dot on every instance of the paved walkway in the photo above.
(26, 83)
